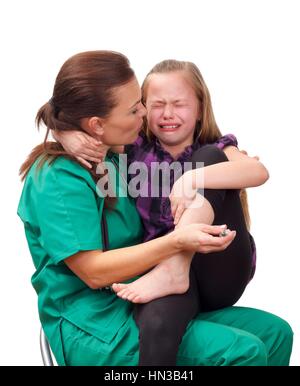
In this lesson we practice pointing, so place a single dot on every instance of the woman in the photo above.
(97, 92)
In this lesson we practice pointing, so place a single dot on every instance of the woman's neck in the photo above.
(104, 149)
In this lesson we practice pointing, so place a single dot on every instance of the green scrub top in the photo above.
(62, 211)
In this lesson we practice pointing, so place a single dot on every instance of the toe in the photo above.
(131, 296)
(118, 286)
(136, 299)
(121, 293)
(126, 294)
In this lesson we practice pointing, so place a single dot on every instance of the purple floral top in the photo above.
(156, 211)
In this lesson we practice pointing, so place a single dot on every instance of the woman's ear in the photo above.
(96, 126)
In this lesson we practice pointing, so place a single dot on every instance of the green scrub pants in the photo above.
(233, 336)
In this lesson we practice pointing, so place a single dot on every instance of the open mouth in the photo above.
(169, 127)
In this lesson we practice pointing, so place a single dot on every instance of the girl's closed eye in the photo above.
(180, 104)
(157, 105)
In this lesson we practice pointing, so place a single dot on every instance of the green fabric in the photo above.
(61, 212)
(233, 336)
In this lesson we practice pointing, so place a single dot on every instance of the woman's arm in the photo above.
(99, 269)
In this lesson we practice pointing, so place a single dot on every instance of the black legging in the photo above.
(217, 280)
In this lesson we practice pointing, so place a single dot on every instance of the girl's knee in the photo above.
(210, 155)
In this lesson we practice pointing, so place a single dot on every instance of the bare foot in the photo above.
(169, 277)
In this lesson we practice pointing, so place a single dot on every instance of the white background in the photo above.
(248, 53)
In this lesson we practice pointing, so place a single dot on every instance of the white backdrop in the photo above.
(248, 52)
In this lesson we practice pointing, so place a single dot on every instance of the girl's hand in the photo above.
(81, 145)
(182, 195)
(255, 157)
(203, 238)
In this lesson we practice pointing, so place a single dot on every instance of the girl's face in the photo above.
(125, 120)
(172, 108)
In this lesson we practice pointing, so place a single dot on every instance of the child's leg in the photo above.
(223, 276)
(172, 275)
(162, 324)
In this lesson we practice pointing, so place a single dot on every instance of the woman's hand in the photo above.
(203, 238)
(81, 145)
(182, 195)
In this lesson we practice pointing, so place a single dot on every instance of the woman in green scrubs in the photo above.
(61, 208)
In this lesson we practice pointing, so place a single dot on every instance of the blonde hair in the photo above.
(206, 130)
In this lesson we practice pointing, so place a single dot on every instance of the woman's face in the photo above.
(172, 108)
(125, 120)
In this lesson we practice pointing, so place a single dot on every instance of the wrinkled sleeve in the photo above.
(226, 140)
(68, 213)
